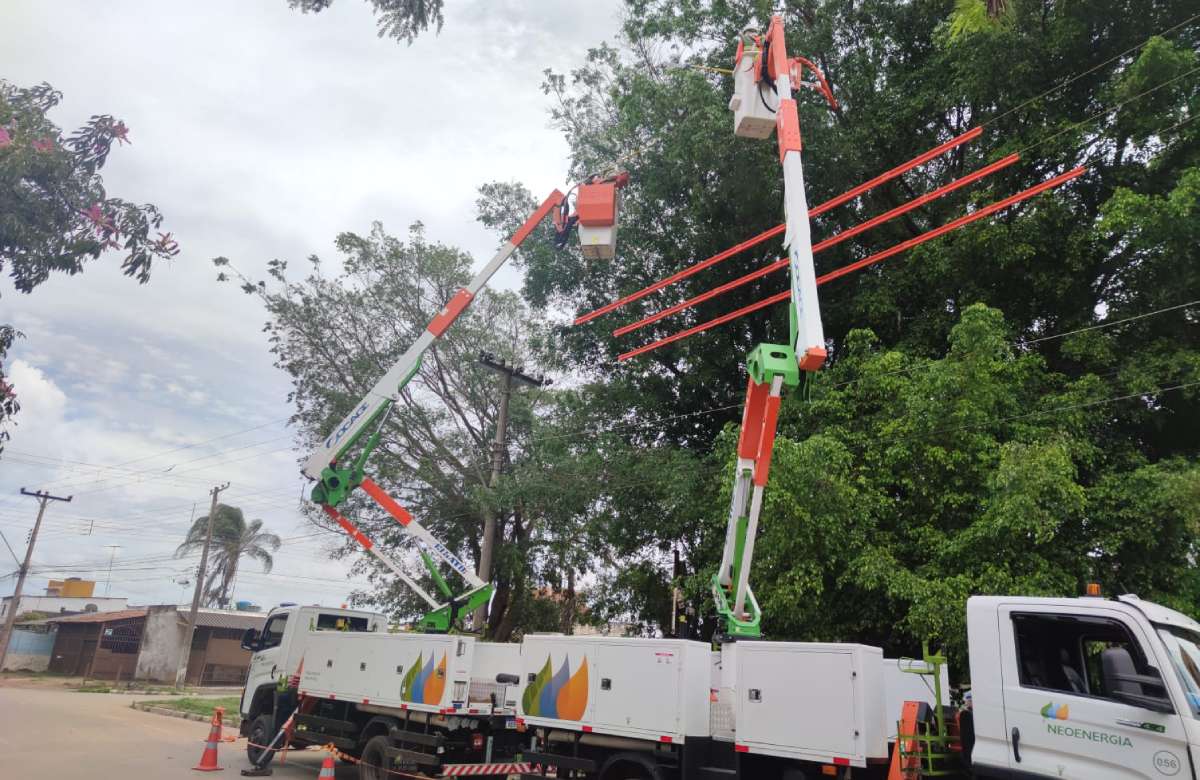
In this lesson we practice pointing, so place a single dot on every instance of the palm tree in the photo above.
(232, 539)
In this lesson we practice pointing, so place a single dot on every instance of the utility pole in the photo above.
(112, 556)
(185, 649)
(43, 498)
(508, 375)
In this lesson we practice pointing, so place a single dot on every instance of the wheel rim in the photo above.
(372, 761)
(257, 736)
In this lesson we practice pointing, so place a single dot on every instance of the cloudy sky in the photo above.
(260, 132)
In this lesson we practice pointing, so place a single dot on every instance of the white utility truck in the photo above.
(1087, 688)
(410, 701)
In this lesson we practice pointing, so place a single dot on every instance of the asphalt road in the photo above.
(63, 735)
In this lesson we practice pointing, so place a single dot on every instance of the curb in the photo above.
(137, 705)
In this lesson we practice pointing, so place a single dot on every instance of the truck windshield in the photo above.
(1184, 647)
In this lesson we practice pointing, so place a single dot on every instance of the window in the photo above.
(122, 637)
(1065, 652)
(272, 633)
(227, 633)
(1184, 647)
(327, 622)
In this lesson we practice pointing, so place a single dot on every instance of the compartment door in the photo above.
(798, 701)
(637, 687)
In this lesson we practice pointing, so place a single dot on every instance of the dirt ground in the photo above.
(51, 733)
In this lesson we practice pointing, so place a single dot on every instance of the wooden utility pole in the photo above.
(185, 649)
(508, 375)
(43, 498)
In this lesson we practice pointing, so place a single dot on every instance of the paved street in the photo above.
(48, 734)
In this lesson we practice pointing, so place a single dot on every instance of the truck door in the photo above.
(1069, 678)
(268, 663)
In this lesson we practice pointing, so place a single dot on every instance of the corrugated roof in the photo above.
(99, 617)
(220, 618)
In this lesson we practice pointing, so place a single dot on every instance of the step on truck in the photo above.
(430, 703)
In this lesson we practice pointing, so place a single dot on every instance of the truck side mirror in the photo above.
(507, 679)
(250, 640)
(1125, 684)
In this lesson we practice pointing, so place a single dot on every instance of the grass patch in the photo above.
(94, 688)
(202, 706)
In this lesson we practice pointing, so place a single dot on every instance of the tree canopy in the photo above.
(1012, 408)
(233, 538)
(55, 213)
(403, 20)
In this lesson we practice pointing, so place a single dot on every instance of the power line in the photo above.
(1110, 110)
(1090, 70)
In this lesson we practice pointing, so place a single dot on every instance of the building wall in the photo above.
(106, 651)
(117, 649)
(74, 647)
(160, 645)
(71, 587)
(217, 657)
(56, 604)
(29, 650)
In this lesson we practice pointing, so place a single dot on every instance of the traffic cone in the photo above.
(326, 768)
(208, 759)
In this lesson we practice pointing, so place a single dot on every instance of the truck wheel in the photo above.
(262, 731)
(374, 760)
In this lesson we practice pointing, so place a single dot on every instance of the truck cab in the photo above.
(1083, 688)
(277, 656)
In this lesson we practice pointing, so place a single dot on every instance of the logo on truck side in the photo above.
(1055, 713)
(558, 694)
(424, 683)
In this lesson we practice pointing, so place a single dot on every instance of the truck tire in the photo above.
(262, 732)
(374, 760)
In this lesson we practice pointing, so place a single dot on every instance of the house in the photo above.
(68, 597)
(144, 644)
(30, 647)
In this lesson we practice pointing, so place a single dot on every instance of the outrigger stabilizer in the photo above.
(763, 74)
(338, 471)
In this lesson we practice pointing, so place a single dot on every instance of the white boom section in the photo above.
(369, 546)
(387, 389)
(810, 334)
(419, 532)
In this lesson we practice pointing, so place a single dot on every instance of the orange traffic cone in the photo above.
(208, 759)
(326, 768)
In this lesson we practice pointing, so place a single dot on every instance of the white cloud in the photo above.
(260, 132)
(43, 402)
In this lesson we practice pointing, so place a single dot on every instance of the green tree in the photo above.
(55, 213)
(907, 484)
(233, 538)
(1065, 84)
(336, 335)
(403, 20)
(574, 497)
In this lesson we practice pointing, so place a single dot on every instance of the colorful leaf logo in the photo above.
(529, 701)
(435, 684)
(558, 694)
(572, 699)
(408, 686)
(1055, 713)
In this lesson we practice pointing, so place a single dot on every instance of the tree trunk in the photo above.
(567, 620)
